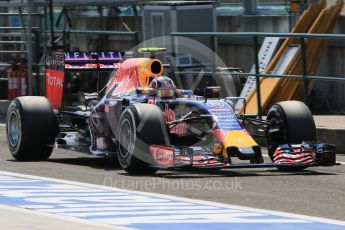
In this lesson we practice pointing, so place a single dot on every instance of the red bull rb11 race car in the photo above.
(145, 122)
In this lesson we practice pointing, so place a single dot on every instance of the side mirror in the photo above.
(212, 92)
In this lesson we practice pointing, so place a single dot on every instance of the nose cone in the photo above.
(238, 143)
(238, 138)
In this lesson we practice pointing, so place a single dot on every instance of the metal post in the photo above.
(44, 32)
(51, 18)
(250, 7)
(214, 45)
(305, 71)
(45, 46)
(136, 38)
(64, 39)
(68, 37)
(29, 44)
(257, 72)
(37, 60)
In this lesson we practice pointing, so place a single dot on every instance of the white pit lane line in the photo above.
(63, 218)
(54, 196)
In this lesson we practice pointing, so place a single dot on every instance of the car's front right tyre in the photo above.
(140, 126)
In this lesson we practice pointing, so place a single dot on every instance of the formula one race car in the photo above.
(147, 124)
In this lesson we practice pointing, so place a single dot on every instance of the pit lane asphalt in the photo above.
(315, 192)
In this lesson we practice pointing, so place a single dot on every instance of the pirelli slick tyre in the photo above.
(31, 127)
(140, 126)
(296, 125)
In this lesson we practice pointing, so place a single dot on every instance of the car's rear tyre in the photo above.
(140, 126)
(297, 125)
(31, 127)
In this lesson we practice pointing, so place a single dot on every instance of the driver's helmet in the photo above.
(164, 85)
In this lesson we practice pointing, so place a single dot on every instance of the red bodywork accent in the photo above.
(54, 87)
(92, 66)
(152, 100)
(293, 155)
(169, 115)
(58, 62)
(163, 156)
(134, 73)
(220, 134)
(126, 76)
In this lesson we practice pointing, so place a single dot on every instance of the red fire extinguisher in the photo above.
(22, 80)
(17, 81)
(13, 83)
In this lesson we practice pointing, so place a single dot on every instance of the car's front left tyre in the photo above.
(296, 124)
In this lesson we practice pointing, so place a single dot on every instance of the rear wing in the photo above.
(92, 60)
(60, 62)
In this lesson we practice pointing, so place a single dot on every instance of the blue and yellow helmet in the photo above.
(164, 85)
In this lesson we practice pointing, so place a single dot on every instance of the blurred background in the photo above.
(30, 30)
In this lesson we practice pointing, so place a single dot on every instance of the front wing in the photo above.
(307, 154)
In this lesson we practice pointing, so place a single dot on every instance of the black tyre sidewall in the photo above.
(151, 131)
(297, 126)
(125, 161)
(13, 108)
(277, 115)
(38, 128)
(297, 122)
